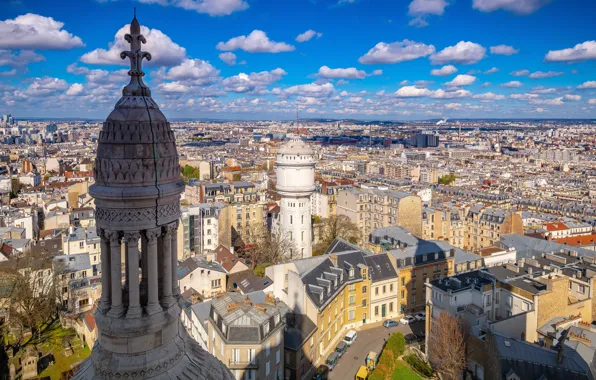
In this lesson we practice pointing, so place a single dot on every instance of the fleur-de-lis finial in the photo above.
(136, 87)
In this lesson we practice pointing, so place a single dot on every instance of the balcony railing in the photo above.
(242, 364)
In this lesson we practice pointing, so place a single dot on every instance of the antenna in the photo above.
(135, 12)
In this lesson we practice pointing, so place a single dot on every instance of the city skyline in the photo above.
(246, 59)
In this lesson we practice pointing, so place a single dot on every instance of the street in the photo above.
(368, 340)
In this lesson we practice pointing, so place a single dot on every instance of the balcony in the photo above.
(243, 364)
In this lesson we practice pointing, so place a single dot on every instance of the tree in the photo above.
(267, 247)
(189, 172)
(447, 346)
(337, 226)
(237, 177)
(447, 179)
(35, 292)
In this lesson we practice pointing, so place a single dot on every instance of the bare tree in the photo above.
(447, 346)
(267, 247)
(337, 226)
(35, 293)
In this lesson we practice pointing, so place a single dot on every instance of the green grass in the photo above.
(403, 372)
(51, 341)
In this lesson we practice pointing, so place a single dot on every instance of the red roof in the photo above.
(555, 227)
(576, 241)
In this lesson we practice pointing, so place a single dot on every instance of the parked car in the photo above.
(350, 337)
(332, 360)
(322, 373)
(411, 338)
(420, 316)
(407, 320)
(341, 348)
(390, 323)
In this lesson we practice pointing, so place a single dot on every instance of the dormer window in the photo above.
(351, 272)
(424, 258)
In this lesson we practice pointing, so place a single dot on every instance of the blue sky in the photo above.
(261, 59)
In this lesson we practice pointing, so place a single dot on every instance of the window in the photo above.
(290, 235)
(390, 287)
(216, 283)
(235, 355)
(352, 300)
(265, 332)
(352, 288)
(267, 368)
(497, 298)
(377, 291)
(390, 306)
(403, 294)
(252, 355)
(302, 217)
(278, 339)
(364, 303)
(82, 244)
(384, 289)
(376, 311)
(403, 281)
(291, 219)
(581, 289)
(413, 298)
(302, 237)
(267, 349)
(277, 356)
(351, 315)
(363, 289)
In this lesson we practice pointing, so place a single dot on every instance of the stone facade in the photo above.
(137, 194)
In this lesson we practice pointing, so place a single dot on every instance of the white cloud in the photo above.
(19, 59)
(308, 35)
(75, 89)
(396, 52)
(211, 7)
(503, 50)
(462, 80)
(543, 90)
(33, 31)
(7, 74)
(463, 52)
(520, 73)
(413, 92)
(526, 96)
(589, 84)
(543, 74)
(97, 77)
(489, 96)
(423, 83)
(45, 86)
(444, 71)
(512, 84)
(492, 70)
(311, 89)
(197, 71)
(347, 73)
(453, 106)
(422, 8)
(228, 57)
(591, 101)
(573, 97)
(376, 73)
(522, 7)
(253, 82)
(442, 94)
(540, 110)
(550, 102)
(175, 87)
(164, 52)
(404, 82)
(580, 52)
(256, 42)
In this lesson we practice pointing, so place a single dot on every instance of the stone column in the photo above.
(123, 248)
(153, 305)
(175, 287)
(144, 269)
(166, 297)
(132, 252)
(106, 284)
(117, 309)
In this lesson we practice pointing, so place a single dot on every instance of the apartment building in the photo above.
(443, 222)
(370, 209)
(485, 226)
(323, 200)
(332, 290)
(383, 288)
(201, 228)
(247, 334)
(80, 240)
(78, 288)
(202, 274)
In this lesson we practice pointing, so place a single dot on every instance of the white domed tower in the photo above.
(295, 184)
(137, 195)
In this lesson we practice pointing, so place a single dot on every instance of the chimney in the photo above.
(71, 229)
(512, 267)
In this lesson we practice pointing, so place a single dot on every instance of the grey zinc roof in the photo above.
(380, 267)
(298, 329)
(394, 233)
(527, 246)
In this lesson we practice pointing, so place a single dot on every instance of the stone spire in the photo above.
(137, 196)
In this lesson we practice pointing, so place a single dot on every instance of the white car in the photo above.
(350, 337)
(407, 320)
(420, 316)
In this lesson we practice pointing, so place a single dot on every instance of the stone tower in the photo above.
(295, 184)
(137, 192)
